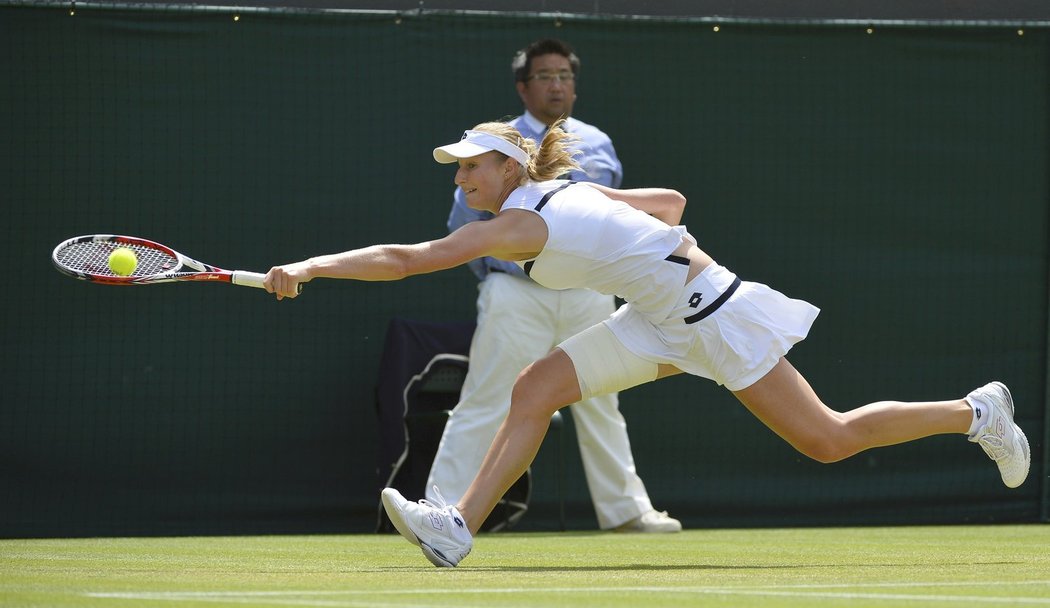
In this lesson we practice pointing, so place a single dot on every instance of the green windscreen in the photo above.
(896, 178)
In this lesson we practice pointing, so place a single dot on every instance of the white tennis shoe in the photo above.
(435, 527)
(1001, 439)
(651, 522)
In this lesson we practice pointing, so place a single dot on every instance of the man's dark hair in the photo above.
(522, 62)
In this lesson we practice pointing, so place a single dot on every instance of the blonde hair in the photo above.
(552, 158)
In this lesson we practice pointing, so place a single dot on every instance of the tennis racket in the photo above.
(87, 258)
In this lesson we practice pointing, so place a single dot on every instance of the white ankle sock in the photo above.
(981, 414)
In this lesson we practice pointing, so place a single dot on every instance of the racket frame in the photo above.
(200, 270)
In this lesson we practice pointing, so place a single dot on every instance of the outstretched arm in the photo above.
(508, 236)
(663, 204)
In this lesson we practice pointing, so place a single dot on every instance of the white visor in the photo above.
(474, 143)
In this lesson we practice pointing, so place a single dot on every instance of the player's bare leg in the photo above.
(541, 389)
(786, 403)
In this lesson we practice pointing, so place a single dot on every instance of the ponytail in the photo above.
(552, 158)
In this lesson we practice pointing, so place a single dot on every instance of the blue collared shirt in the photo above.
(598, 162)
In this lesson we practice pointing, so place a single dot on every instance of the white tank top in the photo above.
(604, 245)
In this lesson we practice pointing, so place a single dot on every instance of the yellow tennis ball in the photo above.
(123, 261)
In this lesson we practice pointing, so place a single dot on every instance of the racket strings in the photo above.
(92, 257)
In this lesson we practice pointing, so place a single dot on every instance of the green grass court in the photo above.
(900, 566)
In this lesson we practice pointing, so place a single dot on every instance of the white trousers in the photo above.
(518, 323)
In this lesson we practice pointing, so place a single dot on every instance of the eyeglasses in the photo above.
(549, 77)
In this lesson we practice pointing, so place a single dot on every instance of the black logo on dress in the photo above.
(695, 299)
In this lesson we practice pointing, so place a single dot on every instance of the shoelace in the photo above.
(439, 503)
(993, 446)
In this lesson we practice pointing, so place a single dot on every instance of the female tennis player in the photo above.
(685, 313)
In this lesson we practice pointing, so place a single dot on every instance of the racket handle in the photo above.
(253, 279)
(248, 279)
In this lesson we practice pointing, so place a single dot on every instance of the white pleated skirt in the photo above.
(735, 345)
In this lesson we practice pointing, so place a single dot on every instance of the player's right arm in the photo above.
(510, 235)
(459, 216)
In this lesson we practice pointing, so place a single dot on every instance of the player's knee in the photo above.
(825, 449)
(829, 443)
(532, 396)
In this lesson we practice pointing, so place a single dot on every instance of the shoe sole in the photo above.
(1026, 448)
(435, 558)
(1027, 456)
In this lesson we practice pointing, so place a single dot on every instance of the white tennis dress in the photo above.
(716, 327)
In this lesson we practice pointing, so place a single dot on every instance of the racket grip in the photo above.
(248, 279)
(253, 279)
